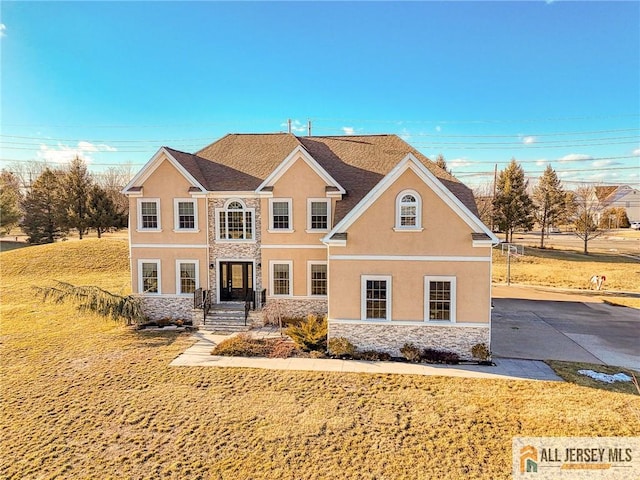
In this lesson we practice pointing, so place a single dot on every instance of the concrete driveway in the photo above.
(543, 324)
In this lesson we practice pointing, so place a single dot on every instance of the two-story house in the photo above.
(363, 228)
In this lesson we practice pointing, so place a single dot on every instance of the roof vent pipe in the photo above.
(289, 125)
(308, 128)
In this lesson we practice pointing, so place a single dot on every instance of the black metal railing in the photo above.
(202, 300)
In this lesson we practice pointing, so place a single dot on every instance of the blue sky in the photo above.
(482, 82)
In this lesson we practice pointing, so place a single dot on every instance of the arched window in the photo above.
(408, 211)
(235, 221)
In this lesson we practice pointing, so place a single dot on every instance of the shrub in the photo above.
(341, 347)
(433, 355)
(481, 352)
(310, 335)
(373, 356)
(410, 352)
(282, 349)
(241, 345)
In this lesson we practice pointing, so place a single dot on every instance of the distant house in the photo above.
(619, 196)
(364, 229)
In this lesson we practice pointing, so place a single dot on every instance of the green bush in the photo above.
(433, 355)
(341, 347)
(481, 352)
(242, 345)
(310, 335)
(410, 352)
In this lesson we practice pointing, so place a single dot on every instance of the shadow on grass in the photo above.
(158, 338)
(569, 372)
(572, 255)
(7, 245)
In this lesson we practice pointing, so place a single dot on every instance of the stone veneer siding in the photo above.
(174, 308)
(390, 338)
(292, 308)
(245, 251)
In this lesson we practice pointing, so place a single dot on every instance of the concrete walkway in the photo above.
(199, 355)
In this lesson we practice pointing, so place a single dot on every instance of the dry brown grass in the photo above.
(83, 397)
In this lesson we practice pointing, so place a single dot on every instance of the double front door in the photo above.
(236, 281)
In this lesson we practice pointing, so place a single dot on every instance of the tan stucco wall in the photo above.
(168, 257)
(166, 183)
(299, 183)
(299, 257)
(407, 287)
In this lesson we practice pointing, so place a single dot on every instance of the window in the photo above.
(281, 282)
(440, 301)
(235, 221)
(318, 214)
(186, 214)
(187, 278)
(408, 211)
(149, 276)
(148, 214)
(280, 214)
(376, 297)
(317, 278)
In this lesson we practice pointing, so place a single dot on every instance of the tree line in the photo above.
(59, 201)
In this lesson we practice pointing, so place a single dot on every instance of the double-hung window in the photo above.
(235, 221)
(280, 217)
(440, 299)
(186, 214)
(149, 276)
(317, 278)
(281, 277)
(318, 214)
(376, 297)
(149, 214)
(408, 211)
(187, 276)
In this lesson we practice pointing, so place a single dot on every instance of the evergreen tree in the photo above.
(9, 201)
(441, 162)
(548, 198)
(77, 184)
(512, 206)
(614, 217)
(43, 220)
(103, 213)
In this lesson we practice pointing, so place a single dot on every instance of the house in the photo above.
(363, 228)
(618, 196)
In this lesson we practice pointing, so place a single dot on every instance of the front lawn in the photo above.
(83, 397)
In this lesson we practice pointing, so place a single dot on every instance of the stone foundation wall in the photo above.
(175, 308)
(291, 308)
(390, 338)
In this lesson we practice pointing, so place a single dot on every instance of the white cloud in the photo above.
(542, 162)
(573, 157)
(63, 154)
(438, 128)
(604, 163)
(636, 152)
(296, 126)
(3, 30)
(87, 147)
(458, 163)
(405, 135)
(348, 130)
(528, 140)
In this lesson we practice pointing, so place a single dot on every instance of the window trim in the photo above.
(310, 264)
(363, 297)
(310, 202)
(245, 210)
(178, 278)
(176, 215)
(280, 230)
(399, 204)
(272, 293)
(142, 200)
(453, 301)
(141, 280)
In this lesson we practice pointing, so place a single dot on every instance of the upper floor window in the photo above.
(408, 211)
(280, 214)
(318, 213)
(235, 221)
(186, 214)
(148, 214)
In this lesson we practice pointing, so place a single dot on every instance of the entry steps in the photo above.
(226, 317)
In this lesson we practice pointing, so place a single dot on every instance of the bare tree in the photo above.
(585, 225)
(113, 180)
(483, 195)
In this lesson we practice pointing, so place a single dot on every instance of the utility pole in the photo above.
(308, 128)
(495, 179)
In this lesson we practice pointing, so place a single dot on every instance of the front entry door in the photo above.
(236, 281)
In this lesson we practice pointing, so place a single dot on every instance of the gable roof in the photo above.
(603, 192)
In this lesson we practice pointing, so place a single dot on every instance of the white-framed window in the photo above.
(235, 221)
(280, 215)
(149, 277)
(318, 214)
(281, 278)
(187, 276)
(440, 298)
(185, 214)
(317, 278)
(376, 297)
(408, 211)
(149, 214)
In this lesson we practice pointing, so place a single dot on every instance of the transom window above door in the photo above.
(235, 221)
